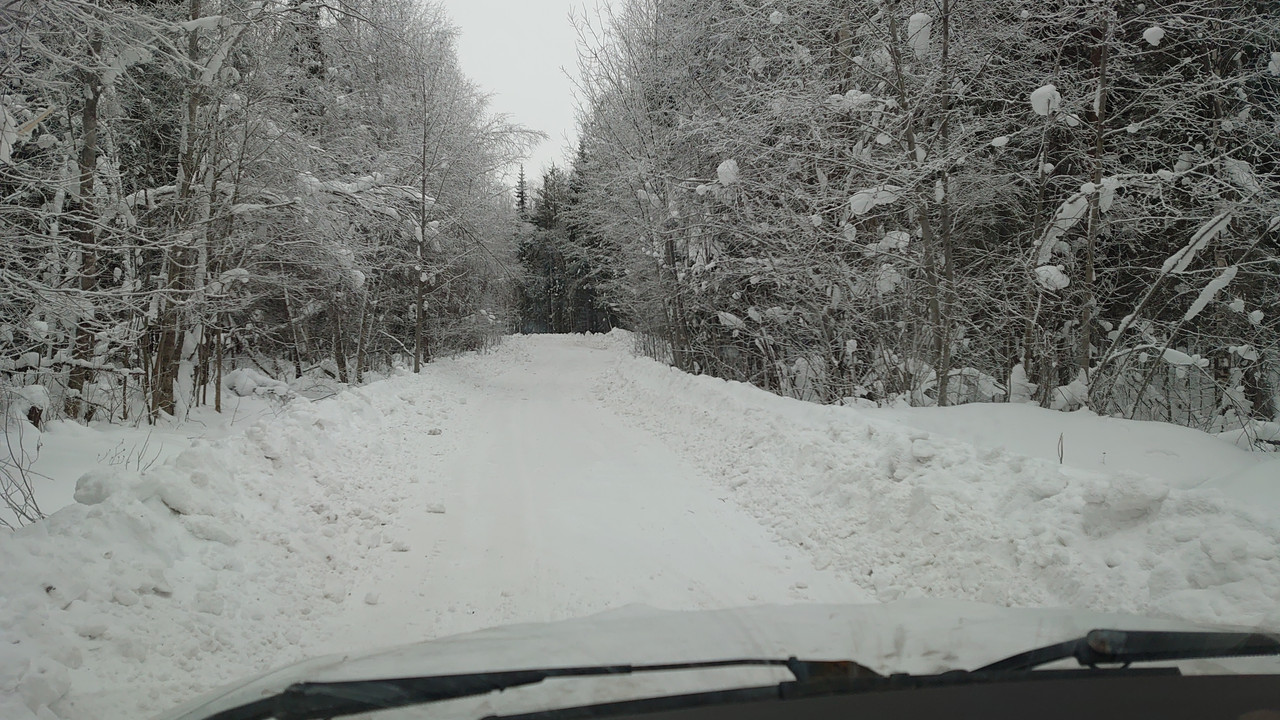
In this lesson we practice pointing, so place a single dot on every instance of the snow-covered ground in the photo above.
(560, 476)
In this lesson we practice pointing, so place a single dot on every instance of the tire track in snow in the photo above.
(554, 507)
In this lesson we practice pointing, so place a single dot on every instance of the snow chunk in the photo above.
(245, 382)
(1021, 389)
(1246, 352)
(1065, 218)
(863, 201)
(22, 399)
(46, 682)
(1211, 291)
(1071, 396)
(919, 27)
(96, 486)
(1045, 100)
(730, 320)
(895, 240)
(1052, 278)
(892, 240)
(1123, 500)
(776, 17)
(1241, 174)
(1153, 35)
(1000, 141)
(1273, 67)
(1107, 195)
(210, 22)
(888, 279)
(1181, 359)
(728, 172)
(923, 450)
(856, 100)
(8, 136)
(1179, 261)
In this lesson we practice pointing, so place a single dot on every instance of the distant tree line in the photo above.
(561, 270)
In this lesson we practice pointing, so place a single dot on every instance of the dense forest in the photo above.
(192, 185)
(1073, 203)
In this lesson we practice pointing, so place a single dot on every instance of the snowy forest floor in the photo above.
(560, 476)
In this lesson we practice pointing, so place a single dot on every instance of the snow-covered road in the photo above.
(555, 507)
(561, 476)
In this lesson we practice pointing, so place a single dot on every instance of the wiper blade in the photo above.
(314, 701)
(1122, 647)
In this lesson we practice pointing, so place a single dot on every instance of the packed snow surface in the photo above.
(561, 476)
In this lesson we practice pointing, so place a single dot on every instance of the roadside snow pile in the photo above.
(1184, 457)
(219, 562)
(908, 513)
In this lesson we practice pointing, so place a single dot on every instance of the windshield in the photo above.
(408, 338)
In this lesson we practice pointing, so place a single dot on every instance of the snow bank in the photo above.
(909, 513)
(1183, 457)
(222, 561)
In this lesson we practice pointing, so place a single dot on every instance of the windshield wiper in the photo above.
(314, 701)
(1096, 648)
(1122, 647)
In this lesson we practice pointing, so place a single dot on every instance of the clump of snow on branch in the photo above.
(1179, 261)
(1052, 278)
(919, 28)
(1181, 359)
(864, 201)
(1211, 291)
(728, 172)
(1065, 218)
(1153, 35)
(1045, 100)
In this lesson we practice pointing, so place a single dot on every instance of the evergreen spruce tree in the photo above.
(522, 196)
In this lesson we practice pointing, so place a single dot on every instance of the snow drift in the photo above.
(227, 557)
(908, 513)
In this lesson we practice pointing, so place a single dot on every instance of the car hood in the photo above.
(911, 636)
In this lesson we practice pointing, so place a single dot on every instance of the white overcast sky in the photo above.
(516, 50)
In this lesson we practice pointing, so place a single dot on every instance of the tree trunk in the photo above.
(168, 358)
(947, 301)
(168, 352)
(339, 347)
(1087, 300)
(360, 340)
(217, 369)
(85, 237)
